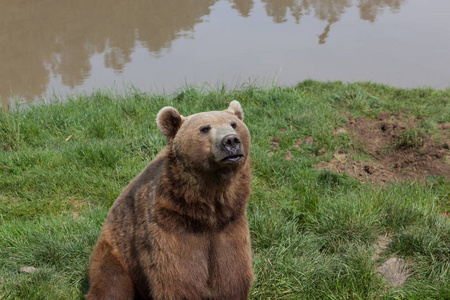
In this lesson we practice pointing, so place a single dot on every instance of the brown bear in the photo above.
(179, 229)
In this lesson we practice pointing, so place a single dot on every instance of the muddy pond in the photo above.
(56, 48)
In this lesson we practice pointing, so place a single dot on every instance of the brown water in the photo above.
(62, 47)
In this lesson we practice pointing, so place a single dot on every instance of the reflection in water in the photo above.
(329, 11)
(57, 38)
(326, 10)
(61, 36)
(278, 9)
(243, 6)
(369, 9)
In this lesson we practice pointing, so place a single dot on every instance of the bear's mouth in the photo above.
(232, 158)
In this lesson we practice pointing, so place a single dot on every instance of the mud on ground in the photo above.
(398, 146)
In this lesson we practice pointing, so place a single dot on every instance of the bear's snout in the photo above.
(230, 149)
(231, 142)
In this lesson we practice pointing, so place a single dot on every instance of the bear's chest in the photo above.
(201, 262)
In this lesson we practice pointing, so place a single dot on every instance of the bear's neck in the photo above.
(199, 202)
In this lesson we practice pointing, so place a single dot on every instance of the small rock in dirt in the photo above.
(394, 270)
(446, 145)
(28, 269)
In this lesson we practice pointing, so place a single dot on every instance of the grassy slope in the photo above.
(314, 232)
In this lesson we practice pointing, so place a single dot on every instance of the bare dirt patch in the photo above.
(395, 271)
(397, 147)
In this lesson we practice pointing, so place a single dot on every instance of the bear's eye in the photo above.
(233, 125)
(205, 129)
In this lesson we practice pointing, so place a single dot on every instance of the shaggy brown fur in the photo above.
(179, 229)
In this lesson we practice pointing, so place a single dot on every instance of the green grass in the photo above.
(314, 233)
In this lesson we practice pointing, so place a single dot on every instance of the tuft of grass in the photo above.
(314, 233)
(411, 138)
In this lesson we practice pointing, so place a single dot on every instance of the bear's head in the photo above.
(208, 140)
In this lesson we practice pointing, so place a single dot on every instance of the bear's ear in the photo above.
(169, 121)
(236, 109)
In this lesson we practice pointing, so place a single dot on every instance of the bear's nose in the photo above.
(231, 142)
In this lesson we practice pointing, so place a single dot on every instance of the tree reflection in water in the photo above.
(57, 38)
